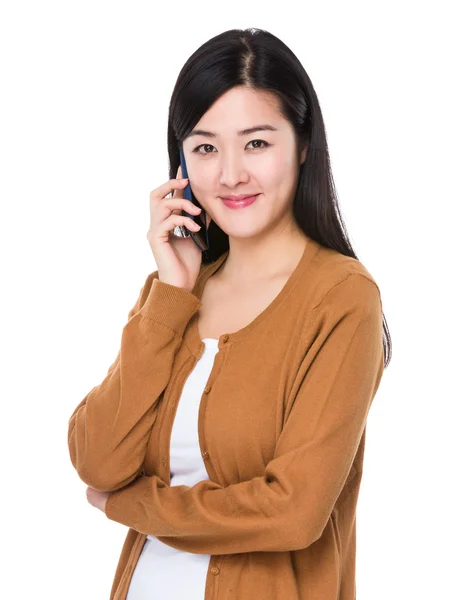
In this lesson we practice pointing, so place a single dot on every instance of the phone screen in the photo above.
(200, 237)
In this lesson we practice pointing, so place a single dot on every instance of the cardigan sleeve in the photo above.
(288, 507)
(109, 429)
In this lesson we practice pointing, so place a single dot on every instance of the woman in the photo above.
(248, 369)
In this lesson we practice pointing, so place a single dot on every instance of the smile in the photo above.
(240, 203)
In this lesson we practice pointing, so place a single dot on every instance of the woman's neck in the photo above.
(250, 261)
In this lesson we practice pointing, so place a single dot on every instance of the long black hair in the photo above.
(256, 59)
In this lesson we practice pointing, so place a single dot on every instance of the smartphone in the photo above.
(200, 237)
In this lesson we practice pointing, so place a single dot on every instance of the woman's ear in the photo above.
(303, 154)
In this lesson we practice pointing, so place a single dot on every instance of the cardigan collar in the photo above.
(192, 337)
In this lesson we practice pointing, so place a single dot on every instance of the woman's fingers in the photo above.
(163, 190)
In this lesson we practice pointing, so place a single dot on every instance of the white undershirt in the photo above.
(163, 572)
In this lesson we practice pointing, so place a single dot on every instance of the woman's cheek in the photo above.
(275, 170)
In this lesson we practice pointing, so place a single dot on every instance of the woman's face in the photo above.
(221, 162)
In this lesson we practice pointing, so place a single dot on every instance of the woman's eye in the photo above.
(260, 142)
(196, 150)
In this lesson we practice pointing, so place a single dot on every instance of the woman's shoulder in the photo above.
(346, 277)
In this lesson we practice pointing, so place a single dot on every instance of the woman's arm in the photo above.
(109, 430)
(288, 507)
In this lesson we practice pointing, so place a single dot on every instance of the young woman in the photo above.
(229, 433)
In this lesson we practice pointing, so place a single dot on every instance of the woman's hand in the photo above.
(178, 259)
(97, 499)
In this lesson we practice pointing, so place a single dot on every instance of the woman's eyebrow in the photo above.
(210, 134)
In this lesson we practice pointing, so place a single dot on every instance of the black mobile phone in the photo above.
(200, 237)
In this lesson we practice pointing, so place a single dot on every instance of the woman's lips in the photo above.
(240, 203)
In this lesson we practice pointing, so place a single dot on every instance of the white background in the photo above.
(85, 88)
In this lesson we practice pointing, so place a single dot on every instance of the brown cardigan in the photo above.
(282, 424)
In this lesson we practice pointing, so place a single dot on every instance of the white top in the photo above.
(163, 572)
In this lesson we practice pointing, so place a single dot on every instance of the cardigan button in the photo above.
(225, 338)
(205, 455)
(207, 388)
(215, 570)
